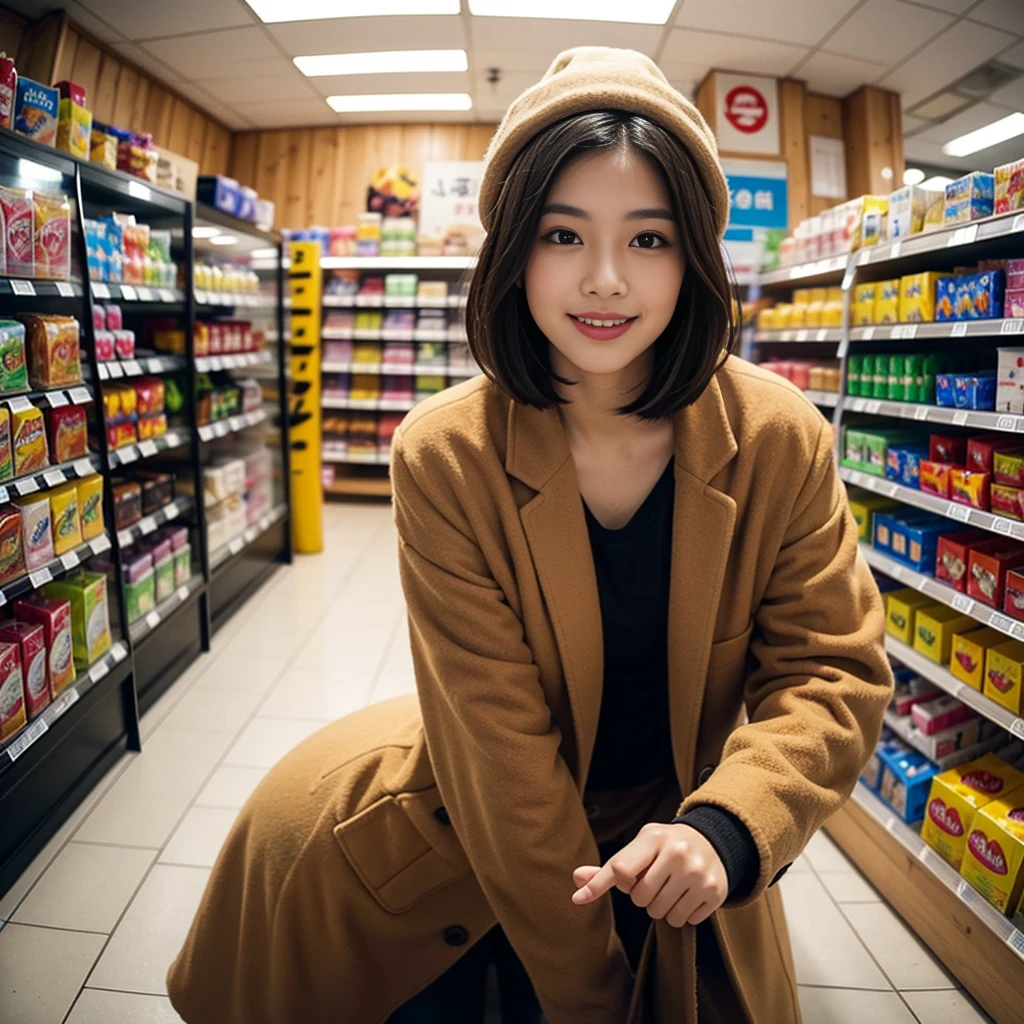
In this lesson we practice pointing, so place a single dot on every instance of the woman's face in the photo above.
(607, 248)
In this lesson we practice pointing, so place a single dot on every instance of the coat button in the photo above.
(456, 935)
(705, 774)
(442, 816)
(591, 811)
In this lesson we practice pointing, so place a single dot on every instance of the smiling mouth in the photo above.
(602, 323)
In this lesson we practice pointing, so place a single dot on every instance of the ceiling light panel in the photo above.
(989, 135)
(400, 101)
(386, 62)
(273, 11)
(638, 12)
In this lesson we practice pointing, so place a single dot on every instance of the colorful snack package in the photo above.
(35, 111)
(90, 616)
(52, 221)
(53, 355)
(8, 90)
(121, 434)
(152, 426)
(19, 231)
(28, 441)
(149, 396)
(12, 559)
(139, 583)
(105, 348)
(124, 344)
(68, 433)
(13, 370)
(993, 860)
(6, 455)
(55, 618)
(90, 506)
(74, 128)
(102, 146)
(163, 566)
(30, 639)
(36, 530)
(127, 504)
(67, 526)
(12, 692)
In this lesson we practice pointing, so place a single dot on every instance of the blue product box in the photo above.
(970, 198)
(945, 390)
(113, 249)
(983, 295)
(896, 459)
(35, 111)
(945, 298)
(247, 203)
(882, 524)
(975, 390)
(910, 467)
(906, 781)
(219, 191)
(916, 544)
(871, 776)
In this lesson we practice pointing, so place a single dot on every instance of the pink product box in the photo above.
(1014, 275)
(99, 318)
(105, 346)
(1013, 304)
(115, 322)
(176, 535)
(124, 344)
(942, 713)
(337, 352)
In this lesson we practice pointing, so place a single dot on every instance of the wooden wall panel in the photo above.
(873, 131)
(320, 175)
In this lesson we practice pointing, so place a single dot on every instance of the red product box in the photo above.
(124, 344)
(953, 553)
(70, 91)
(30, 640)
(99, 318)
(1013, 603)
(947, 448)
(987, 567)
(8, 87)
(105, 346)
(941, 713)
(1013, 304)
(216, 339)
(115, 320)
(1014, 275)
(55, 618)
(981, 449)
(969, 488)
(12, 692)
(1005, 500)
(934, 477)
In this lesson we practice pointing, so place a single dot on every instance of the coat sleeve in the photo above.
(816, 699)
(494, 747)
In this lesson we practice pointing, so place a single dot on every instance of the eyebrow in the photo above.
(648, 213)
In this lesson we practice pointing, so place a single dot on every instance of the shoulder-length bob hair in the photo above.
(503, 336)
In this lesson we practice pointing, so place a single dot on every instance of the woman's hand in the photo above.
(672, 870)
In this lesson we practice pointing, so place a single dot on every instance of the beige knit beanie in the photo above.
(591, 78)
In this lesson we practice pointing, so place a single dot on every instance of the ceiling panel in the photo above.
(281, 114)
(684, 77)
(837, 76)
(958, 50)
(333, 85)
(147, 62)
(688, 46)
(1004, 14)
(949, 6)
(36, 9)
(196, 93)
(195, 56)
(1010, 96)
(799, 21)
(535, 62)
(363, 35)
(1014, 56)
(557, 35)
(923, 151)
(249, 88)
(911, 124)
(144, 19)
(270, 66)
(860, 36)
(966, 121)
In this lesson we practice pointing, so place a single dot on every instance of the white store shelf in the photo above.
(409, 263)
(934, 414)
(818, 334)
(945, 329)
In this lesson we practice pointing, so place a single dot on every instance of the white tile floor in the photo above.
(88, 932)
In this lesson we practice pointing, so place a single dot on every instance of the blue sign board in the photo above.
(757, 194)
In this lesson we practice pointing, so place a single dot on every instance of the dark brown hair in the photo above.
(503, 336)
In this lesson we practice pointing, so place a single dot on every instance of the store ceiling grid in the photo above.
(220, 55)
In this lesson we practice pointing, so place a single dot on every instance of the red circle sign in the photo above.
(746, 109)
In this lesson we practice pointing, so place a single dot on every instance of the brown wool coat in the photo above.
(343, 890)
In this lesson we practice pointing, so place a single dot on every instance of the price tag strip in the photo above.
(64, 290)
(25, 288)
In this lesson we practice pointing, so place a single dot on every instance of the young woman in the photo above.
(649, 660)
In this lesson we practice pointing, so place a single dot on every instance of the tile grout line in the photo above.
(342, 586)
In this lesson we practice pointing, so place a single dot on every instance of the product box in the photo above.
(951, 448)
(955, 796)
(863, 505)
(13, 370)
(911, 689)
(36, 530)
(1008, 467)
(55, 618)
(35, 111)
(28, 441)
(967, 655)
(67, 524)
(31, 643)
(987, 567)
(974, 391)
(220, 192)
(182, 564)
(1008, 187)
(1013, 601)
(8, 91)
(90, 506)
(901, 607)
(993, 860)
(19, 218)
(934, 629)
(906, 782)
(12, 555)
(982, 449)
(127, 504)
(12, 692)
(140, 587)
(90, 616)
(914, 543)
(163, 568)
(946, 299)
(888, 524)
(943, 712)
(74, 129)
(1004, 673)
(952, 553)
(53, 350)
(969, 488)
(1010, 380)
(980, 296)
(935, 477)
(917, 297)
(52, 223)
(68, 433)
(1006, 501)
(887, 302)
(970, 198)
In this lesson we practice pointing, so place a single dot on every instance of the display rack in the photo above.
(51, 763)
(355, 457)
(980, 946)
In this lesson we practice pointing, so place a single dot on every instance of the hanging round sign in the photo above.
(746, 109)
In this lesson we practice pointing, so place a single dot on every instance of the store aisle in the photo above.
(88, 932)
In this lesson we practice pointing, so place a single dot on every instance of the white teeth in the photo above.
(600, 323)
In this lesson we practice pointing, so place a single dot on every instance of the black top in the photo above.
(633, 566)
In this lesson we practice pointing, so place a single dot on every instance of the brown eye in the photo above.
(562, 236)
(649, 240)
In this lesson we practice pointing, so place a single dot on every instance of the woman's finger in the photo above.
(621, 871)
(584, 874)
(701, 914)
(653, 882)
(684, 909)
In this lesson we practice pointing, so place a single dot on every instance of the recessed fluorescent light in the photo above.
(204, 232)
(991, 135)
(269, 253)
(358, 104)
(913, 176)
(223, 240)
(936, 184)
(383, 63)
(637, 12)
(314, 10)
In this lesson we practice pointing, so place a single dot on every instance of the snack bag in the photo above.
(36, 530)
(53, 356)
(12, 692)
(30, 640)
(12, 559)
(152, 426)
(102, 146)
(35, 111)
(29, 441)
(52, 237)
(68, 433)
(13, 371)
(6, 455)
(67, 526)
(8, 89)
(55, 618)
(19, 231)
(90, 506)
(149, 396)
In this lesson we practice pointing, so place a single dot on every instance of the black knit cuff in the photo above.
(732, 842)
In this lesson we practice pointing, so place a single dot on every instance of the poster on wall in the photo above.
(448, 205)
(758, 215)
(747, 114)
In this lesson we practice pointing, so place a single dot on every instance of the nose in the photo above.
(604, 276)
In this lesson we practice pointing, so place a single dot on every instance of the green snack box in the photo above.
(853, 447)
(182, 565)
(853, 371)
(895, 389)
(881, 380)
(90, 615)
(13, 368)
(140, 596)
(912, 374)
(163, 572)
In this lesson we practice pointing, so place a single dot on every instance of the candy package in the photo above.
(68, 433)
(12, 558)
(8, 91)
(52, 220)
(90, 617)
(36, 530)
(55, 618)
(53, 355)
(67, 526)
(12, 692)
(30, 639)
(19, 232)
(90, 506)
(28, 441)
(13, 369)
(6, 454)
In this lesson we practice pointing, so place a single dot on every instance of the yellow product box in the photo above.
(887, 302)
(813, 316)
(967, 655)
(865, 294)
(917, 297)
(801, 296)
(901, 607)
(956, 795)
(934, 629)
(766, 319)
(863, 505)
(832, 314)
(870, 227)
(935, 214)
(817, 295)
(74, 129)
(782, 314)
(67, 525)
(797, 316)
(994, 858)
(862, 314)
(1004, 672)
(90, 506)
